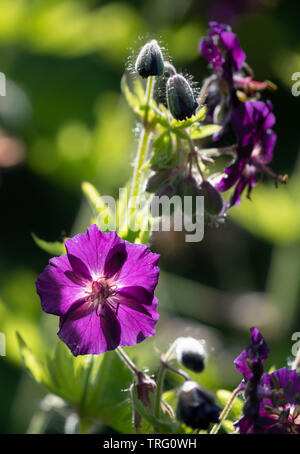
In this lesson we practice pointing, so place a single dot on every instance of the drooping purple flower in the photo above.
(256, 352)
(103, 292)
(271, 400)
(222, 50)
(252, 121)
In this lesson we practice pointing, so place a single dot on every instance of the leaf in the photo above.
(163, 157)
(223, 397)
(55, 248)
(199, 132)
(182, 124)
(96, 385)
(165, 425)
(132, 99)
(228, 426)
(36, 368)
(101, 209)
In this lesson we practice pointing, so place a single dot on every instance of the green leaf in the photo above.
(228, 426)
(223, 397)
(181, 124)
(53, 248)
(165, 425)
(96, 385)
(199, 132)
(133, 100)
(163, 157)
(35, 367)
(101, 210)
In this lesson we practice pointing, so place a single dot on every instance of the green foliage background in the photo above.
(63, 60)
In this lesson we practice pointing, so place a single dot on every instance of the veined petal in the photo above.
(91, 249)
(58, 288)
(87, 332)
(140, 268)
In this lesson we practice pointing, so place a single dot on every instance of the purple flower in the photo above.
(278, 411)
(222, 50)
(252, 121)
(272, 400)
(256, 352)
(103, 292)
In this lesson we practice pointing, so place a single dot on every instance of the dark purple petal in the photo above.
(140, 268)
(286, 385)
(57, 288)
(137, 325)
(115, 260)
(86, 332)
(256, 352)
(222, 49)
(134, 297)
(92, 248)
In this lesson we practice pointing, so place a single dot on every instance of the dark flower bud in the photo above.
(213, 202)
(196, 407)
(169, 69)
(150, 61)
(191, 353)
(180, 97)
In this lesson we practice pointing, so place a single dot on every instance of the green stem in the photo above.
(161, 378)
(159, 390)
(143, 144)
(225, 411)
(85, 386)
(126, 360)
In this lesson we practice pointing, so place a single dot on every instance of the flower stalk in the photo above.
(225, 411)
(143, 144)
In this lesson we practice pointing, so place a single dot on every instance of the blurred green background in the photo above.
(63, 121)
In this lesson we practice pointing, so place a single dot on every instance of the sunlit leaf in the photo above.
(53, 248)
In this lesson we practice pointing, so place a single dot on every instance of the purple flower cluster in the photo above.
(252, 122)
(103, 292)
(272, 400)
(233, 99)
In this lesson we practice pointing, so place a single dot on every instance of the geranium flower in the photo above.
(103, 292)
(222, 50)
(256, 352)
(272, 400)
(252, 121)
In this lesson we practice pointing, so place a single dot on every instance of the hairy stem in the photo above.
(226, 410)
(143, 144)
(126, 360)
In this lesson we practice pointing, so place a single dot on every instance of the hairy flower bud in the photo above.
(169, 69)
(196, 406)
(180, 97)
(150, 60)
(191, 353)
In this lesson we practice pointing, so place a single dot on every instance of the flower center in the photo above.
(101, 291)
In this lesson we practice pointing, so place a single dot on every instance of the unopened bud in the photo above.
(213, 202)
(150, 61)
(196, 406)
(169, 69)
(191, 353)
(180, 96)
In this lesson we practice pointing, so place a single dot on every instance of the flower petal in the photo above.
(91, 249)
(140, 268)
(115, 260)
(58, 288)
(86, 332)
(136, 325)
